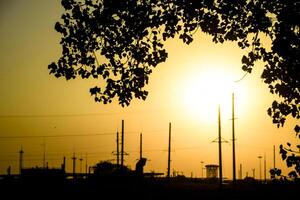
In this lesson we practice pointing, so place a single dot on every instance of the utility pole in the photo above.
(241, 172)
(259, 157)
(44, 155)
(122, 145)
(86, 164)
(265, 168)
(141, 146)
(74, 164)
(21, 160)
(220, 147)
(63, 166)
(233, 144)
(118, 151)
(202, 169)
(274, 156)
(253, 172)
(80, 164)
(169, 152)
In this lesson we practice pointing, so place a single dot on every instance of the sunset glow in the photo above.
(203, 93)
(184, 90)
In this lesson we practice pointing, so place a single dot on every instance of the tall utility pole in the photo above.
(21, 160)
(233, 144)
(169, 152)
(118, 151)
(259, 157)
(220, 146)
(74, 164)
(122, 145)
(141, 146)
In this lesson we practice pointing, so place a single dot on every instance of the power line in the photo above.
(73, 135)
(241, 78)
(58, 115)
(53, 136)
(73, 115)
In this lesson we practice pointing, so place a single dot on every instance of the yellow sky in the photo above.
(29, 43)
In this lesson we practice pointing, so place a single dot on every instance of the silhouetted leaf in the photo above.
(297, 129)
(127, 35)
(94, 90)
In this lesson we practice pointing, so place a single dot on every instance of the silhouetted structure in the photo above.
(74, 164)
(122, 145)
(43, 174)
(141, 146)
(86, 164)
(274, 158)
(139, 167)
(63, 165)
(21, 160)
(241, 172)
(253, 173)
(265, 168)
(106, 168)
(202, 176)
(80, 160)
(8, 170)
(260, 157)
(169, 152)
(118, 151)
(44, 154)
(220, 147)
(233, 144)
(211, 171)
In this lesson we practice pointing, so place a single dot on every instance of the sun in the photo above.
(204, 92)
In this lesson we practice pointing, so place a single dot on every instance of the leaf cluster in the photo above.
(121, 42)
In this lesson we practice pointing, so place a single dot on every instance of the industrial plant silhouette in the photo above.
(130, 36)
(115, 180)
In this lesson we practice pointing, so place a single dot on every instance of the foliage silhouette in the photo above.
(128, 38)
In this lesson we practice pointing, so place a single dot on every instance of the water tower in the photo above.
(211, 171)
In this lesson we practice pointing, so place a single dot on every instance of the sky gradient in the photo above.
(35, 104)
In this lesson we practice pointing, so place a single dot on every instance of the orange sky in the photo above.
(29, 43)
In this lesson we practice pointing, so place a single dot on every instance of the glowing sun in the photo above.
(205, 91)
